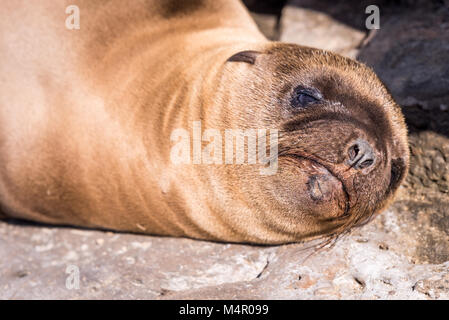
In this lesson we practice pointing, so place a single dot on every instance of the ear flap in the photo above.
(248, 56)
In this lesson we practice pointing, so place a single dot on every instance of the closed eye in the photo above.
(303, 97)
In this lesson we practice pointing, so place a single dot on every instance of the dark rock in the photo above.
(410, 54)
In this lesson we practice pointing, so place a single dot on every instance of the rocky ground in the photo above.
(402, 254)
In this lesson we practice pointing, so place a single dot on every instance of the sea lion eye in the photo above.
(303, 97)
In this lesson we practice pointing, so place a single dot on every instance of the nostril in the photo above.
(366, 164)
(353, 152)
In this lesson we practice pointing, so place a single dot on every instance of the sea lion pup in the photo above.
(88, 116)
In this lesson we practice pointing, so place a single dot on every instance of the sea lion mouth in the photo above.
(324, 185)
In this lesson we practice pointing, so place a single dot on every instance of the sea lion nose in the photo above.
(361, 155)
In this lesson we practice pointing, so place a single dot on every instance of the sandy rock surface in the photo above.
(367, 264)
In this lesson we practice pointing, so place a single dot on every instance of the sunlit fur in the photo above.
(86, 117)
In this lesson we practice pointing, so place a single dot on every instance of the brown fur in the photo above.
(86, 117)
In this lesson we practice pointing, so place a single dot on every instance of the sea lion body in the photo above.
(86, 118)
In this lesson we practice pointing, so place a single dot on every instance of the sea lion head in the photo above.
(342, 147)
